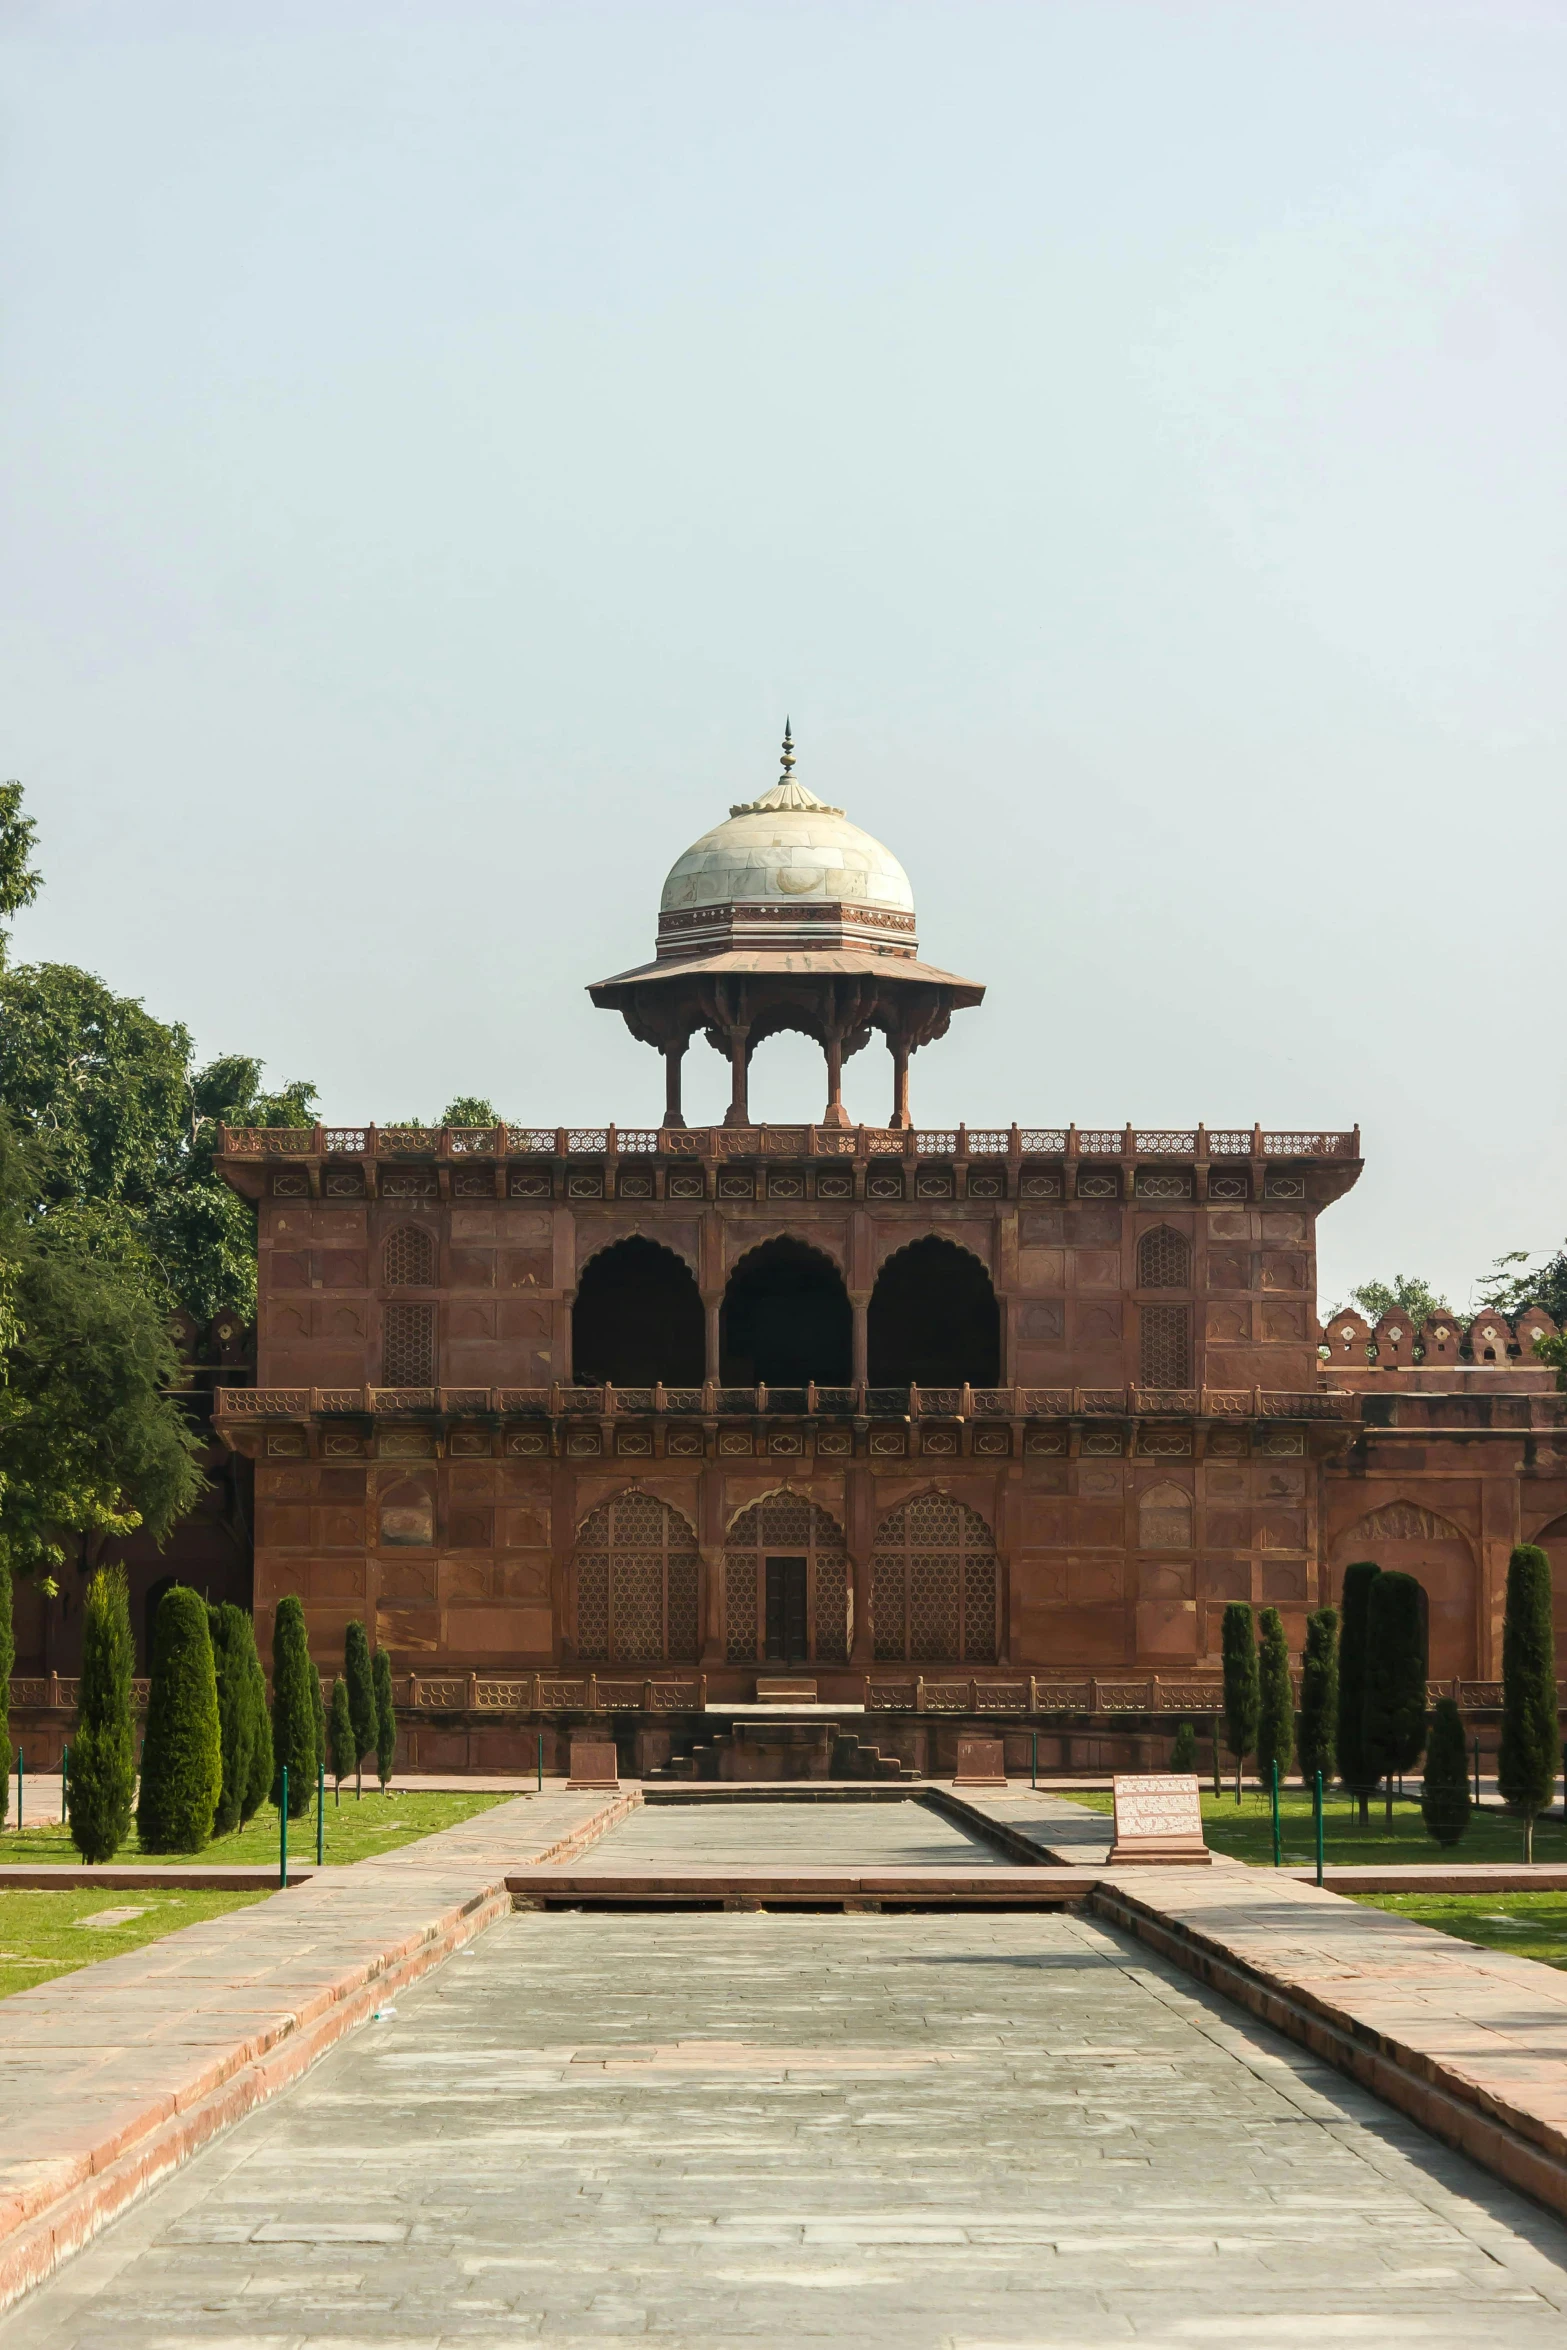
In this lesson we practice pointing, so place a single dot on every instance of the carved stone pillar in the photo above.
(712, 1304)
(739, 1111)
(901, 1119)
(835, 1114)
(859, 1301)
(674, 1054)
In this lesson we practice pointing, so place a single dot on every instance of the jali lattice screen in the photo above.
(636, 1584)
(933, 1585)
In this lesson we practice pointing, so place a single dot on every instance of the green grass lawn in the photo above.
(46, 1934)
(1246, 1831)
(355, 1828)
(1532, 1924)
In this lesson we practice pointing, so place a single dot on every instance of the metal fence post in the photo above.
(65, 1768)
(1034, 1778)
(321, 1815)
(1278, 1838)
(19, 1791)
(282, 1835)
(1477, 1770)
(1317, 1810)
(541, 1762)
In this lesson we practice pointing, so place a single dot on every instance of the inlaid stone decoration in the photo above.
(1158, 1817)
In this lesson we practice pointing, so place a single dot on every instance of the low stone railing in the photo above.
(1197, 1143)
(712, 1401)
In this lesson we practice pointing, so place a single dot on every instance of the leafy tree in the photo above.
(385, 1720)
(1276, 1712)
(1530, 1746)
(1183, 1753)
(90, 1443)
(1444, 1797)
(359, 1674)
(101, 1782)
(1319, 1696)
(1510, 1292)
(123, 1126)
(340, 1734)
(182, 1752)
(293, 1707)
(258, 1785)
(1394, 1720)
(470, 1109)
(1242, 1693)
(233, 1652)
(19, 884)
(1412, 1296)
(7, 1660)
(1358, 1771)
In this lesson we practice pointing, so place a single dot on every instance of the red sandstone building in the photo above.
(951, 1422)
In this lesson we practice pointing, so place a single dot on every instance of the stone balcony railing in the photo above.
(712, 1401)
(1198, 1143)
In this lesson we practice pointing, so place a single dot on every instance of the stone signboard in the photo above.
(1158, 1816)
(594, 1765)
(982, 1762)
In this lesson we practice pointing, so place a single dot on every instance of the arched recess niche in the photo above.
(763, 1539)
(785, 1319)
(934, 1320)
(637, 1318)
(636, 1574)
(935, 1587)
(1414, 1540)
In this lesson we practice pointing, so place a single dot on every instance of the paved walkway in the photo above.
(714, 2130)
(805, 1836)
(119, 2071)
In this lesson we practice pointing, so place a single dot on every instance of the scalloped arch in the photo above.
(637, 1231)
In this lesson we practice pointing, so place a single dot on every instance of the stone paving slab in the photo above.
(939, 2133)
(113, 2075)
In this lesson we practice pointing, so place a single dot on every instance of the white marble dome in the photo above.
(787, 847)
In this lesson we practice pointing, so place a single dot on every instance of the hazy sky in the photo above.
(441, 442)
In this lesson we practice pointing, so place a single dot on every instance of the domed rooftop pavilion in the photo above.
(786, 916)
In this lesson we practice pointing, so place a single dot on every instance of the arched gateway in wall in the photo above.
(636, 1584)
(786, 1585)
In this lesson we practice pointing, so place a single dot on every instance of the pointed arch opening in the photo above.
(786, 1584)
(637, 1580)
(637, 1318)
(785, 1319)
(935, 1590)
(934, 1320)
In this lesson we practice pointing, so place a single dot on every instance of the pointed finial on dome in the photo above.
(786, 793)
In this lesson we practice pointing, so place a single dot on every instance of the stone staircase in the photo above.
(753, 1750)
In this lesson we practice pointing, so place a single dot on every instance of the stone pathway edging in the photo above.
(1501, 2132)
(115, 2140)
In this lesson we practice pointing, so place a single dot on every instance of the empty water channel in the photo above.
(731, 1833)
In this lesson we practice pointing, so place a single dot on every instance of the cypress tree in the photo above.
(1355, 1767)
(7, 1660)
(1444, 1798)
(1526, 1765)
(1394, 1728)
(1242, 1695)
(258, 1785)
(340, 1731)
(359, 1675)
(182, 1754)
(102, 1778)
(1183, 1754)
(293, 1707)
(231, 1642)
(386, 1720)
(1319, 1696)
(1276, 1710)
